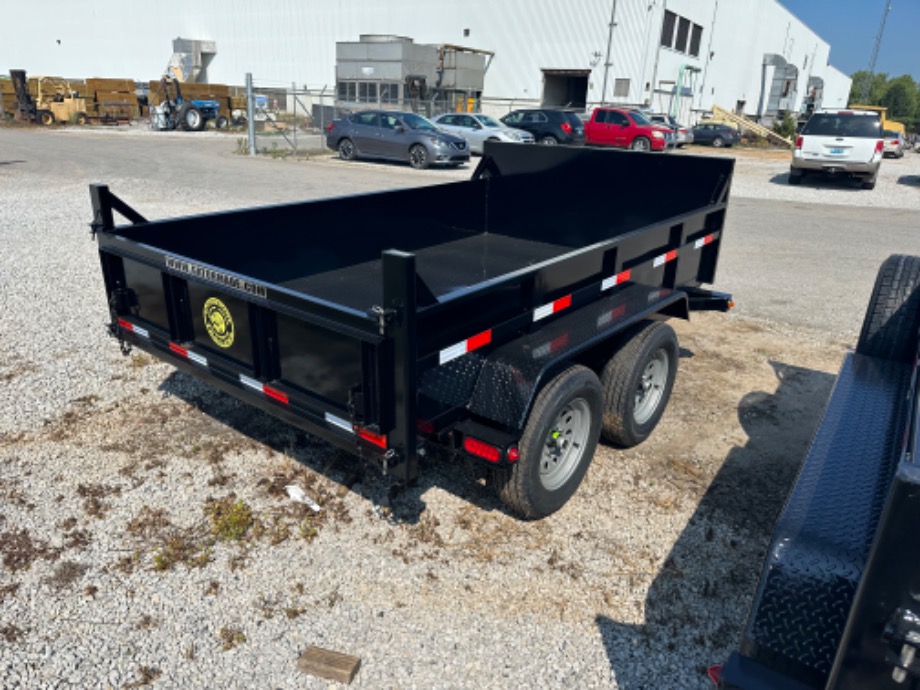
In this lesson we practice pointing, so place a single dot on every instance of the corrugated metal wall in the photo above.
(287, 41)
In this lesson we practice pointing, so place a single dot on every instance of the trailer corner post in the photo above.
(399, 295)
(103, 220)
(250, 115)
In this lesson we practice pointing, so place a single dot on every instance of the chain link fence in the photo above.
(292, 118)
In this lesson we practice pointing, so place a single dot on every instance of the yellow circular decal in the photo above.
(218, 321)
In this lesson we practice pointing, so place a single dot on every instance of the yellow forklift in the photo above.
(55, 101)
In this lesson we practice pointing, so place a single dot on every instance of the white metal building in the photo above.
(683, 56)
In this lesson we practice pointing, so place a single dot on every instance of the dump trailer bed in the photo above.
(396, 322)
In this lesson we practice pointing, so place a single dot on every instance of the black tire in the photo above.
(641, 144)
(346, 149)
(45, 117)
(889, 330)
(418, 157)
(81, 119)
(718, 142)
(549, 140)
(637, 384)
(869, 183)
(221, 121)
(795, 176)
(191, 119)
(557, 446)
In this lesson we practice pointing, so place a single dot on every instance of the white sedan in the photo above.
(477, 128)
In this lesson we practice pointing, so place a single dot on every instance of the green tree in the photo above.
(901, 97)
(879, 85)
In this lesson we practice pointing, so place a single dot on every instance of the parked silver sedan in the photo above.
(477, 128)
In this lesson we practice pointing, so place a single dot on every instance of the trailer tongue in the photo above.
(511, 319)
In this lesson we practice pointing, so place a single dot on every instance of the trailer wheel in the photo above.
(418, 157)
(637, 383)
(889, 330)
(346, 150)
(45, 117)
(557, 445)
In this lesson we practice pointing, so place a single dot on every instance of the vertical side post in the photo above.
(399, 295)
(294, 98)
(103, 220)
(250, 114)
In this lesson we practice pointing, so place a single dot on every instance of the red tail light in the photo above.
(481, 449)
(566, 127)
(369, 436)
(879, 146)
(798, 142)
(330, 127)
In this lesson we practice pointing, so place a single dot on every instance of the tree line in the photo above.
(901, 95)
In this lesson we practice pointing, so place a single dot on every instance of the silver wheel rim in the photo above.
(417, 156)
(548, 141)
(640, 145)
(565, 444)
(345, 150)
(651, 386)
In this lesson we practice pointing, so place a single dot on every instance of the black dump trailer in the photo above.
(510, 319)
(838, 603)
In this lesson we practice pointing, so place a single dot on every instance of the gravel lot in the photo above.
(146, 537)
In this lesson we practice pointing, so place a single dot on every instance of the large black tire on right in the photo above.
(637, 383)
(889, 330)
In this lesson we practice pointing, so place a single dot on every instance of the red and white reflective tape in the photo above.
(188, 354)
(664, 258)
(272, 393)
(618, 279)
(703, 241)
(137, 330)
(343, 424)
(552, 308)
(464, 346)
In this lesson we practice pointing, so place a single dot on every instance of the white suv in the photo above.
(839, 142)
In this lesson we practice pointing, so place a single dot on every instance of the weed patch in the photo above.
(230, 638)
(231, 518)
(19, 550)
(66, 574)
(11, 633)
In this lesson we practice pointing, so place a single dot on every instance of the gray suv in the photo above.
(397, 136)
(845, 143)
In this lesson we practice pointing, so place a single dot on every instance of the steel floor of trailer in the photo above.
(445, 268)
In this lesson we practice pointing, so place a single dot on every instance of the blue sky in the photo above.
(850, 26)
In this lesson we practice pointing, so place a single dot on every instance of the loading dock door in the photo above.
(565, 88)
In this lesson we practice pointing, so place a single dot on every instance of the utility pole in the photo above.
(867, 87)
(613, 16)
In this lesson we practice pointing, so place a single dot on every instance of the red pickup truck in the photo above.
(627, 129)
